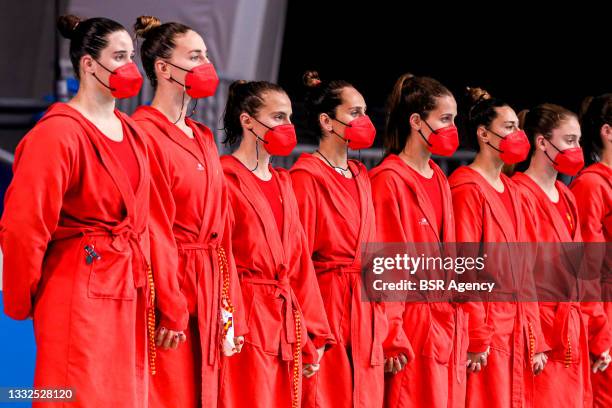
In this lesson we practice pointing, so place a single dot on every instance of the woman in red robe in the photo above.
(412, 201)
(335, 202)
(555, 134)
(487, 209)
(185, 150)
(593, 191)
(77, 255)
(288, 329)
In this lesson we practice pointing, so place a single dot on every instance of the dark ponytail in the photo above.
(244, 96)
(542, 120)
(410, 95)
(321, 97)
(595, 112)
(159, 42)
(86, 36)
(481, 112)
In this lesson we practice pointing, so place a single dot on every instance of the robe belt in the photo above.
(212, 247)
(561, 330)
(340, 270)
(123, 235)
(285, 292)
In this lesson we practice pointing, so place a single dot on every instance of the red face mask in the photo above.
(569, 161)
(443, 141)
(359, 133)
(514, 147)
(279, 140)
(200, 82)
(123, 82)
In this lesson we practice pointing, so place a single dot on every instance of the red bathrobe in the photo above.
(436, 330)
(593, 192)
(566, 378)
(199, 214)
(69, 193)
(352, 372)
(481, 216)
(284, 310)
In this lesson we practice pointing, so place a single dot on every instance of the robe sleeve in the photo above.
(468, 209)
(600, 334)
(235, 291)
(591, 208)
(591, 213)
(170, 301)
(305, 193)
(387, 210)
(384, 193)
(45, 161)
(532, 326)
(303, 280)
(305, 189)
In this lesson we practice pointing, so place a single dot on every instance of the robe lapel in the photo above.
(112, 164)
(177, 135)
(421, 195)
(344, 207)
(571, 206)
(256, 199)
(365, 219)
(214, 177)
(553, 215)
(498, 209)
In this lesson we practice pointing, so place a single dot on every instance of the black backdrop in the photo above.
(557, 53)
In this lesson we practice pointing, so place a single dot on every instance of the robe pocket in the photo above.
(438, 343)
(574, 334)
(502, 316)
(265, 322)
(110, 276)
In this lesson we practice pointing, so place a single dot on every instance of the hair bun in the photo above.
(144, 24)
(67, 25)
(235, 87)
(311, 79)
(477, 94)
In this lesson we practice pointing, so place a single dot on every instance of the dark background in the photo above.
(523, 55)
(558, 52)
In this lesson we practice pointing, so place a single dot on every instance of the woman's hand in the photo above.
(238, 343)
(169, 339)
(395, 364)
(311, 369)
(477, 361)
(538, 362)
(602, 363)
